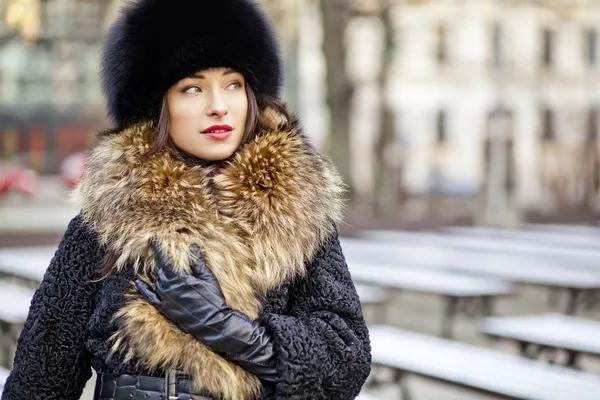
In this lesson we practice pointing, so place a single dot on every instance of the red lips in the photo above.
(217, 128)
(218, 132)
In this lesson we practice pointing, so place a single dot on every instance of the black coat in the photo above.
(319, 333)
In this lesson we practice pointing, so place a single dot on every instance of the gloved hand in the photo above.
(195, 303)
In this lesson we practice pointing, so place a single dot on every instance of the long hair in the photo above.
(255, 123)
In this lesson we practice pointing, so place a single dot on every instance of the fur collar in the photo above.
(258, 222)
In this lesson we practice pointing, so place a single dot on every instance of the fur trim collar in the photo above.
(258, 222)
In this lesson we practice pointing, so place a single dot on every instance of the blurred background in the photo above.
(467, 131)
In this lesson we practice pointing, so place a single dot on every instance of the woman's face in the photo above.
(207, 113)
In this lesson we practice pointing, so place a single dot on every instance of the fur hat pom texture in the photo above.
(155, 43)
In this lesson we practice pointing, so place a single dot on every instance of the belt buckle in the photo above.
(171, 386)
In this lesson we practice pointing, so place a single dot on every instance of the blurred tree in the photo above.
(591, 161)
(336, 14)
(387, 173)
(285, 15)
(569, 170)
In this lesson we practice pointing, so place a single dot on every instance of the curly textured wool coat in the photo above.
(266, 225)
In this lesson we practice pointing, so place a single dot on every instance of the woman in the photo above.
(205, 262)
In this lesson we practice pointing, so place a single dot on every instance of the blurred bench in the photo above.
(3, 376)
(14, 306)
(586, 256)
(581, 230)
(510, 237)
(582, 286)
(545, 336)
(364, 396)
(25, 265)
(374, 299)
(483, 370)
(461, 294)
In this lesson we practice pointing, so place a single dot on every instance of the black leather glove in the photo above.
(195, 303)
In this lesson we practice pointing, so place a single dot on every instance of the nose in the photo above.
(217, 106)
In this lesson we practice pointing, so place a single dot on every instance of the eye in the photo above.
(192, 90)
(234, 86)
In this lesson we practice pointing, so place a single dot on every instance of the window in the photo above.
(548, 125)
(442, 45)
(497, 46)
(441, 131)
(591, 46)
(547, 47)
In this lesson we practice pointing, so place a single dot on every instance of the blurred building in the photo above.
(50, 96)
(49, 91)
(492, 92)
(493, 97)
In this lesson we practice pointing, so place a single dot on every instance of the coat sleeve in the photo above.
(322, 345)
(51, 361)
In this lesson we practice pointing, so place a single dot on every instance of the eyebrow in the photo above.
(228, 72)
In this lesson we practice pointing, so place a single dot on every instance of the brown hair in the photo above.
(255, 123)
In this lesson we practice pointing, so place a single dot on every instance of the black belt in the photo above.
(174, 386)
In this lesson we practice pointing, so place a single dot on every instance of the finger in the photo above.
(163, 262)
(166, 277)
(198, 261)
(147, 291)
(201, 271)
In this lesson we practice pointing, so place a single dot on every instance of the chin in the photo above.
(215, 155)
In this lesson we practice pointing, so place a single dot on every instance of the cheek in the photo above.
(183, 117)
(182, 111)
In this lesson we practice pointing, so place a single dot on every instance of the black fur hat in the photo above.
(155, 43)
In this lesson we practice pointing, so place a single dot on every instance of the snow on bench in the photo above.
(371, 294)
(374, 301)
(14, 307)
(499, 266)
(537, 333)
(472, 295)
(427, 280)
(477, 368)
(563, 241)
(583, 257)
(579, 230)
(14, 303)
(3, 376)
(364, 396)
(29, 263)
